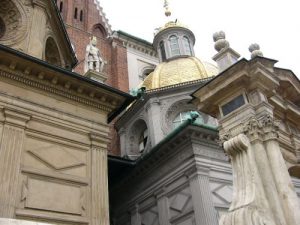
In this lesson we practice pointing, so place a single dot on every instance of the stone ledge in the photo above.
(5, 221)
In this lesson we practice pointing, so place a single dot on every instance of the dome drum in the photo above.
(174, 41)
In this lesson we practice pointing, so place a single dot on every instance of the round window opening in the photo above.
(2, 28)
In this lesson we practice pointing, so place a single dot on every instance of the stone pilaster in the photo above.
(153, 110)
(204, 210)
(99, 181)
(11, 146)
(37, 31)
(163, 208)
(135, 216)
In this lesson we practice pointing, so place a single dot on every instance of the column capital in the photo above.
(159, 193)
(15, 118)
(98, 140)
(197, 170)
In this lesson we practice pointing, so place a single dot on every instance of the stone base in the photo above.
(97, 76)
(4, 221)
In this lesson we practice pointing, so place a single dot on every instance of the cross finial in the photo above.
(167, 10)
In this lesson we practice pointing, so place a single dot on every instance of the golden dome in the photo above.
(179, 71)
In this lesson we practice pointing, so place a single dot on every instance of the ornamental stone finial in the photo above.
(167, 10)
(255, 50)
(220, 41)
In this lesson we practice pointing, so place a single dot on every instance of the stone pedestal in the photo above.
(97, 76)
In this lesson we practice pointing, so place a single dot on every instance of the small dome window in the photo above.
(162, 51)
(187, 46)
(174, 45)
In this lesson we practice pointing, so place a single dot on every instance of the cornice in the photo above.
(51, 88)
(36, 74)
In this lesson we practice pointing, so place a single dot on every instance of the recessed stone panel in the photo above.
(52, 196)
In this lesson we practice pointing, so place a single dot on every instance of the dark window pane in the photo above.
(233, 105)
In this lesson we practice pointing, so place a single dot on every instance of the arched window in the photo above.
(99, 31)
(75, 13)
(162, 51)
(2, 28)
(183, 116)
(187, 46)
(145, 72)
(61, 4)
(51, 52)
(81, 15)
(143, 139)
(174, 46)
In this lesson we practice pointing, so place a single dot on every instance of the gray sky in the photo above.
(273, 24)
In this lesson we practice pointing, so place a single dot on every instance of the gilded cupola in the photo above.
(174, 43)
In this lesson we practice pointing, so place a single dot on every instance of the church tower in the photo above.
(84, 19)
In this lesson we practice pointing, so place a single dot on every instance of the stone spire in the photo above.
(226, 56)
(255, 50)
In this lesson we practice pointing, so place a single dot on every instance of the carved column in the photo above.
(249, 205)
(99, 181)
(284, 185)
(204, 209)
(11, 146)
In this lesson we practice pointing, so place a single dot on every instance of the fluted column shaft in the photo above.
(205, 213)
(11, 146)
(163, 210)
(99, 182)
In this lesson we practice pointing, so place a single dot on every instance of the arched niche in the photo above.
(99, 31)
(146, 71)
(13, 22)
(52, 55)
(138, 138)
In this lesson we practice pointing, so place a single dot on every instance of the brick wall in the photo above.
(111, 50)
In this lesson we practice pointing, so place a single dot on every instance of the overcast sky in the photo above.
(273, 24)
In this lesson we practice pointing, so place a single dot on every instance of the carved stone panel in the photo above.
(53, 196)
(180, 203)
(150, 216)
(221, 193)
(47, 155)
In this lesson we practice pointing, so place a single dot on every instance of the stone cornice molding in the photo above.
(58, 83)
(52, 88)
